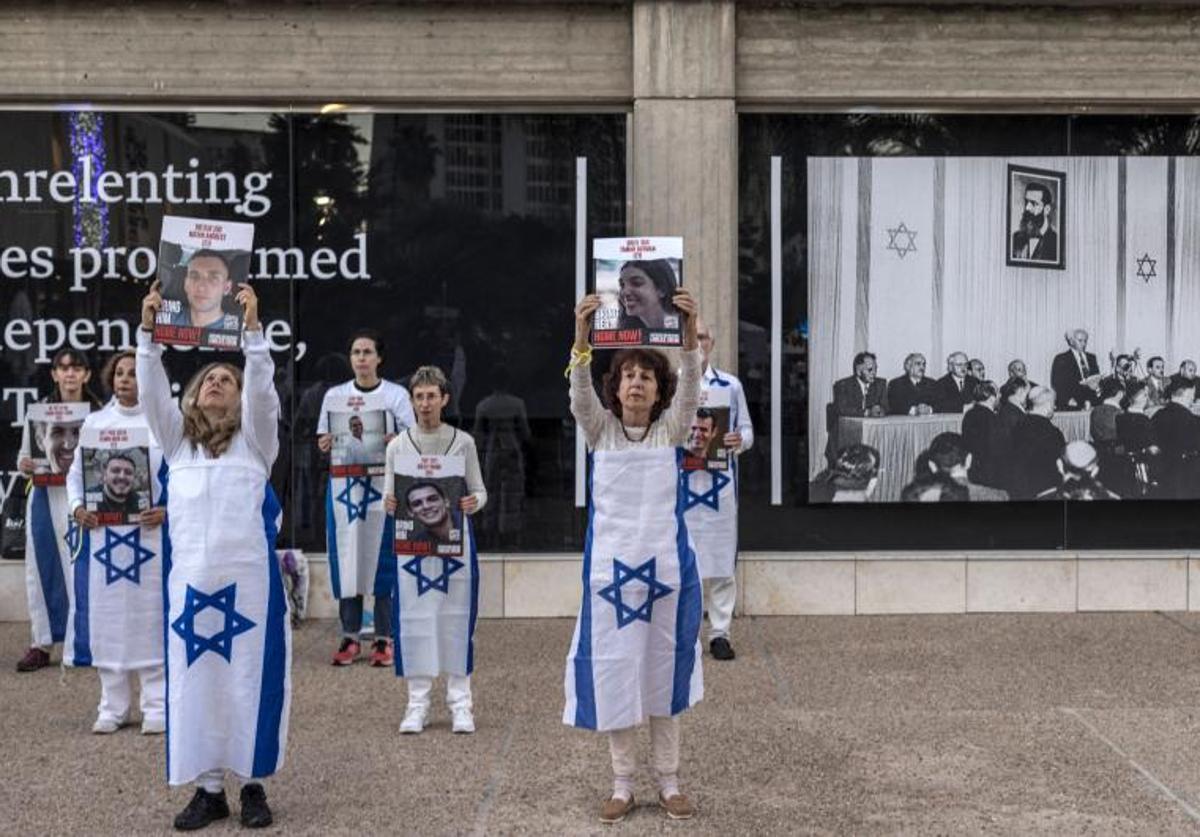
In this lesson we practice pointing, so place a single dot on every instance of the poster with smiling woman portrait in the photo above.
(636, 279)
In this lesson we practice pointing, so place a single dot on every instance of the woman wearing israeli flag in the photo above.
(635, 655)
(116, 618)
(228, 636)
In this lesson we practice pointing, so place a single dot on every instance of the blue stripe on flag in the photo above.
(585, 686)
(273, 690)
(397, 651)
(335, 578)
(82, 568)
(46, 549)
(474, 595)
(163, 473)
(688, 612)
(385, 567)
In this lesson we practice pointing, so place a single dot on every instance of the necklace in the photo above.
(625, 433)
(420, 452)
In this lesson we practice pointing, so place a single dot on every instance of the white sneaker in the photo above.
(414, 720)
(463, 721)
(107, 726)
(154, 726)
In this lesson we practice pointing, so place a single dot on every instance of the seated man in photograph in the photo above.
(1075, 375)
(116, 482)
(1079, 466)
(1156, 382)
(1187, 372)
(1016, 369)
(933, 488)
(1177, 433)
(983, 437)
(976, 369)
(954, 388)
(912, 394)
(861, 394)
(1036, 446)
(948, 455)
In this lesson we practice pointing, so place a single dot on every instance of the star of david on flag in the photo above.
(221, 642)
(370, 494)
(440, 582)
(710, 498)
(73, 537)
(622, 575)
(106, 556)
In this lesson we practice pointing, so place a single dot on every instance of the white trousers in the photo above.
(720, 595)
(213, 780)
(116, 693)
(664, 746)
(458, 691)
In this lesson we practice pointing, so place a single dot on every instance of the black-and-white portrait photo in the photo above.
(1036, 212)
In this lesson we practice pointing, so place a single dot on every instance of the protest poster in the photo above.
(53, 438)
(428, 518)
(359, 423)
(636, 279)
(706, 450)
(116, 473)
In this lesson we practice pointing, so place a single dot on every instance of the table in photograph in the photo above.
(901, 439)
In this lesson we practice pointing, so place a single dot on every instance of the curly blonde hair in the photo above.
(214, 436)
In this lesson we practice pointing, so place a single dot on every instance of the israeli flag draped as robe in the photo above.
(636, 649)
(434, 608)
(50, 539)
(117, 607)
(710, 501)
(359, 534)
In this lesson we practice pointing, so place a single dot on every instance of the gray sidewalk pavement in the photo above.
(1051, 724)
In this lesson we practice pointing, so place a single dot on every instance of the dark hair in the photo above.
(1132, 391)
(853, 468)
(949, 491)
(424, 484)
(861, 356)
(661, 274)
(120, 454)
(1012, 386)
(1110, 387)
(1047, 194)
(1083, 488)
(205, 252)
(1179, 384)
(372, 335)
(108, 372)
(706, 413)
(75, 358)
(983, 390)
(947, 451)
(650, 359)
(1150, 362)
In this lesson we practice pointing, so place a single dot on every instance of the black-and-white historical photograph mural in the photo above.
(969, 342)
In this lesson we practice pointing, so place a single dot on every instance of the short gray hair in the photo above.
(429, 376)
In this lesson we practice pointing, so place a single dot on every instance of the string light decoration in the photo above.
(86, 137)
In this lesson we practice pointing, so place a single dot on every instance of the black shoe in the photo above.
(255, 813)
(721, 649)
(204, 808)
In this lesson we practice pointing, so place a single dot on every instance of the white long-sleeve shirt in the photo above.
(604, 431)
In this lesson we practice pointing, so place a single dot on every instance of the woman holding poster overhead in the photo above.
(47, 450)
(116, 621)
(358, 419)
(228, 637)
(434, 484)
(635, 655)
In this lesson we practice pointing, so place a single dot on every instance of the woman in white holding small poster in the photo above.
(116, 620)
(437, 595)
(635, 655)
(229, 643)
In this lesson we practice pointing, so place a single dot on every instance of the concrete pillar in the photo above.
(684, 151)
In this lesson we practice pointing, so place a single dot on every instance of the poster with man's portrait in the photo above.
(428, 518)
(116, 473)
(53, 439)
(706, 450)
(636, 280)
(1036, 217)
(359, 428)
(200, 264)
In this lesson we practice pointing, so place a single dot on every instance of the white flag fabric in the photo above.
(229, 641)
(50, 539)
(710, 505)
(434, 608)
(636, 648)
(116, 617)
(359, 534)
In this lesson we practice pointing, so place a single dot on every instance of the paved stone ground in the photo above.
(1052, 724)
